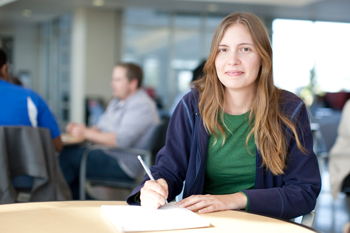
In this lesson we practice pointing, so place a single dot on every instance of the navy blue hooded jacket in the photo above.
(184, 157)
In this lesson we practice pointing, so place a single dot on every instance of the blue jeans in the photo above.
(99, 166)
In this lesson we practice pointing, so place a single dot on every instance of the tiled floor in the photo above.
(331, 214)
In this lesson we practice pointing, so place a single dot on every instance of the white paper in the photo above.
(136, 218)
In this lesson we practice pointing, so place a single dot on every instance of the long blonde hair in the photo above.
(269, 136)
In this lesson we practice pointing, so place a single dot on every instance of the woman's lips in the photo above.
(234, 73)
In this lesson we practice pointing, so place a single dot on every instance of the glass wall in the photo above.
(55, 47)
(168, 46)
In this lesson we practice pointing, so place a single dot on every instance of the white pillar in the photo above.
(95, 51)
(78, 67)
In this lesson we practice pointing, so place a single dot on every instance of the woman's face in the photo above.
(237, 61)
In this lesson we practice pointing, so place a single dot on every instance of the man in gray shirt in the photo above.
(129, 121)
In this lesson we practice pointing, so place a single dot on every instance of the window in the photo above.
(300, 46)
(55, 45)
(168, 46)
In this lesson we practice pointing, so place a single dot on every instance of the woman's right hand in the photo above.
(154, 194)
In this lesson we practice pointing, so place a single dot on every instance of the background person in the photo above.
(197, 73)
(22, 106)
(236, 140)
(339, 155)
(128, 121)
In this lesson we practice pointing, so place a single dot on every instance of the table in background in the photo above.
(86, 216)
(70, 140)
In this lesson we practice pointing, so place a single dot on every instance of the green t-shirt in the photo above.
(230, 167)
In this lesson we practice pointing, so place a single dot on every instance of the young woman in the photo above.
(236, 141)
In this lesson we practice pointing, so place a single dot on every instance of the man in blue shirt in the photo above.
(21, 106)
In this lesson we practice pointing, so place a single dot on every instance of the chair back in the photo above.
(28, 153)
(308, 219)
(157, 141)
(159, 137)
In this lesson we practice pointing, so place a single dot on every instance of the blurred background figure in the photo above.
(339, 156)
(16, 81)
(197, 73)
(21, 106)
(4, 74)
(129, 121)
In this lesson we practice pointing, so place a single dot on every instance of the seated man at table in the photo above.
(129, 121)
(22, 106)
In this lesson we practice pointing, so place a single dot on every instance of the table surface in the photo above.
(86, 216)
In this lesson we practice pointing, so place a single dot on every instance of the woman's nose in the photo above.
(233, 59)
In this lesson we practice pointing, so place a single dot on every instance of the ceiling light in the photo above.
(98, 2)
(26, 12)
(4, 2)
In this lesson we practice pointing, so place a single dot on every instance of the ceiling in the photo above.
(20, 12)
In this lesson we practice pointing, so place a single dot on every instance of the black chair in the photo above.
(157, 141)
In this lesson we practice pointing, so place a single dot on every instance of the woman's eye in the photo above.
(245, 49)
(222, 50)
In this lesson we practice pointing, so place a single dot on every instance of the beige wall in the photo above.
(100, 52)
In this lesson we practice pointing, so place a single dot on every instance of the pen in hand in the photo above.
(147, 170)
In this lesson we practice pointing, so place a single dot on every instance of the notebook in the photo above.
(136, 218)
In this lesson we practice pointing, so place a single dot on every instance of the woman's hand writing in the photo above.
(154, 194)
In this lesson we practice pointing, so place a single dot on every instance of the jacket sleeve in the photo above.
(172, 159)
(301, 182)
